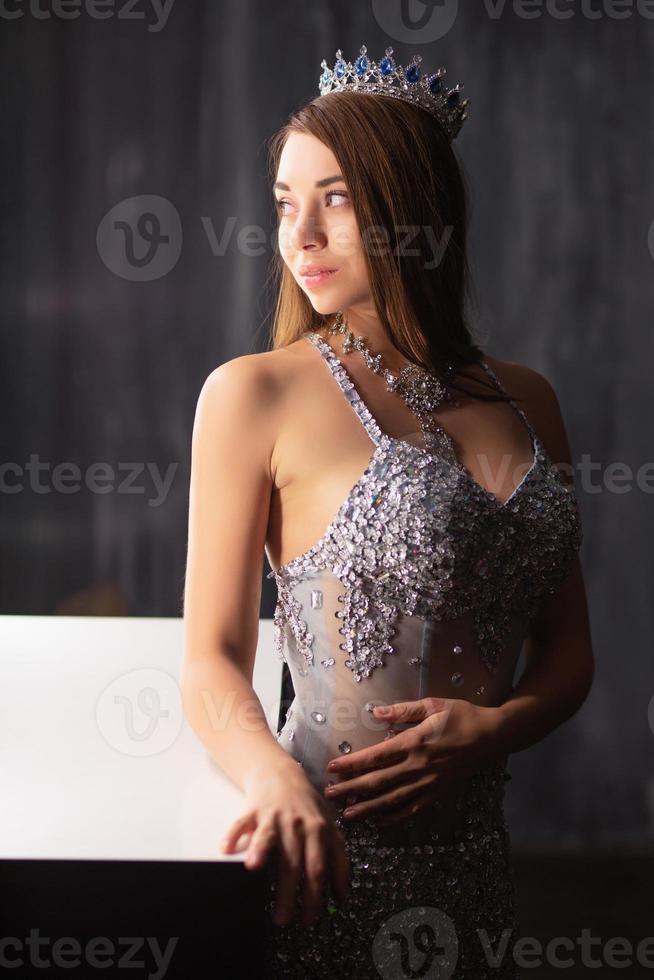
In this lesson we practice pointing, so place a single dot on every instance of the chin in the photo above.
(324, 303)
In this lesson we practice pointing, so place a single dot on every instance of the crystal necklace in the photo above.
(421, 390)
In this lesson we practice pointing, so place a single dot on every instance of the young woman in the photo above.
(414, 496)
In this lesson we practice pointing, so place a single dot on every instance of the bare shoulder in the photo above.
(538, 399)
(250, 385)
(237, 400)
(250, 378)
(243, 400)
(522, 381)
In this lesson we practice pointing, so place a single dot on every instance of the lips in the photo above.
(318, 277)
(314, 270)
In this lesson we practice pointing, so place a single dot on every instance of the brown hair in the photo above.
(407, 178)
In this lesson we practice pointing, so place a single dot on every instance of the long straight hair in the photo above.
(403, 178)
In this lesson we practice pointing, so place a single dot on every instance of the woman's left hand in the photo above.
(405, 773)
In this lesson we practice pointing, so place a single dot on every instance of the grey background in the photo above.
(98, 368)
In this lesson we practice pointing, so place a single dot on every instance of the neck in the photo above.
(372, 331)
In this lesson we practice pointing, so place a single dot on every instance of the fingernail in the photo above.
(382, 709)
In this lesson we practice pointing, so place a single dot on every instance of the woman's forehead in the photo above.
(302, 151)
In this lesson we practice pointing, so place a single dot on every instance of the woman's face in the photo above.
(317, 225)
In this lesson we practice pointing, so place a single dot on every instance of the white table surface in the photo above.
(96, 758)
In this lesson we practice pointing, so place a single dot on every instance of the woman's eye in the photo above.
(338, 194)
(280, 204)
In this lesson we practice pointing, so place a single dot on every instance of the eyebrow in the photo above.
(280, 185)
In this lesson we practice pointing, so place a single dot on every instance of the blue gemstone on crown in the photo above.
(412, 74)
(436, 85)
(386, 66)
(361, 65)
(453, 98)
(339, 68)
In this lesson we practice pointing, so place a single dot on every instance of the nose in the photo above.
(307, 233)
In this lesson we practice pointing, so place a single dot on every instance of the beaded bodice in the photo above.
(423, 582)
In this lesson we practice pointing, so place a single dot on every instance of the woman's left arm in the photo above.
(559, 669)
(558, 649)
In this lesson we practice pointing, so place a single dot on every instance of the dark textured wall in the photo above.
(100, 369)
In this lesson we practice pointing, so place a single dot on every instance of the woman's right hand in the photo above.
(284, 807)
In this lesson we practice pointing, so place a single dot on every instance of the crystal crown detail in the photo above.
(401, 82)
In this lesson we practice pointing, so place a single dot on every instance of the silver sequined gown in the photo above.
(423, 584)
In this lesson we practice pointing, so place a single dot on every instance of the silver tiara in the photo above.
(401, 82)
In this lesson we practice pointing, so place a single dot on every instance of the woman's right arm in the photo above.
(234, 434)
